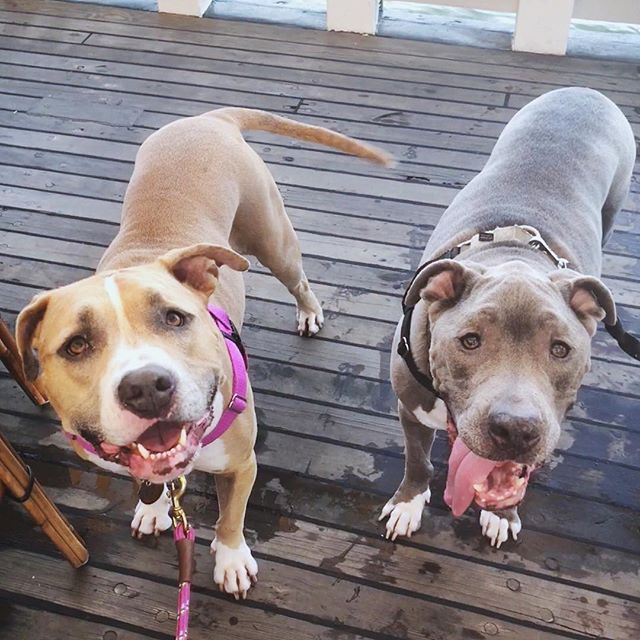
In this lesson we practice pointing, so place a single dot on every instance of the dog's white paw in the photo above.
(405, 518)
(235, 569)
(151, 518)
(309, 322)
(497, 528)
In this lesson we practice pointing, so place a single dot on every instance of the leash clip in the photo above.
(176, 490)
(538, 242)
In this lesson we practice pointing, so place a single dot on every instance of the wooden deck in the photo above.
(80, 87)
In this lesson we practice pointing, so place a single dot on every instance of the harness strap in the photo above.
(628, 343)
(239, 363)
(238, 402)
(404, 351)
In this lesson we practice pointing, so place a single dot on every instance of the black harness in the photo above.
(627, 342)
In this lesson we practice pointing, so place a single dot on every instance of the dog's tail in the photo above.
(257, 120)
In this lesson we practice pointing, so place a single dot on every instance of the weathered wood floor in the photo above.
(80, 88)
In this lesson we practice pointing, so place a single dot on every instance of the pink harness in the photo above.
(239, 365)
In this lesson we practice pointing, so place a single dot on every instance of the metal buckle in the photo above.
(176, 491)
(537, 242)
(237, 403)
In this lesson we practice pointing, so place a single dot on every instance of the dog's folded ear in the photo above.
(589, 298)
(197, 266)
(443, 280)
(26, 326)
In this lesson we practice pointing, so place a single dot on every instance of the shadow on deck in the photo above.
(80, 88)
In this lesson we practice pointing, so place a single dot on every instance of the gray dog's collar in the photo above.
(520, 233)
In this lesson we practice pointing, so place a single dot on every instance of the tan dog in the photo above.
(130, 358)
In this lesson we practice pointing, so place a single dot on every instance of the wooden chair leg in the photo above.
(17, 478)
(11, 359)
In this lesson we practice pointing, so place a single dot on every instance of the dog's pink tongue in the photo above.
(465, 469)
(162, 436)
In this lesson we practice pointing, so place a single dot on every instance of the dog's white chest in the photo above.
(213, 458)
(436, 418)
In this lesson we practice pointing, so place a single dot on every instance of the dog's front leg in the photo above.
(235, 568)
(496, 525)
(152, 518)
(405, 507)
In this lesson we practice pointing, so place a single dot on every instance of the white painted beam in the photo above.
(358, 16)
(184, 7)
(542, 26)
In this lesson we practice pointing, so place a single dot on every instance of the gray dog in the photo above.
(496, 335)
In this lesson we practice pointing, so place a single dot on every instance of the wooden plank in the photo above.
(19, 621)
(114, 49)
(107, 188)
(347, 555)
(338, 298)
(370, 610)
(278, 509)
(143, 602)
(167, 109)
(275, 314)
(69, 84)
(365, 253)
(198, 79)
(410, 107)
(425, 164)
(29, 31)
(386, 127)
(311, 100)
(272, 148)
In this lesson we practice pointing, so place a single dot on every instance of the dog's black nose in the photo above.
(515, 432)
(148, 392)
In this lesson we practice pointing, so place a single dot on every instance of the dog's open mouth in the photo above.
(162, 452)
(493, 485)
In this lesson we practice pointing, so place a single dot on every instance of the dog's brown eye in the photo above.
(470, 341)
(77, 346)
(560, 349)
(174, 319)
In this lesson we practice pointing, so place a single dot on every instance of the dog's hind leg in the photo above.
(405, 507)
(235, 568)
(275, 243)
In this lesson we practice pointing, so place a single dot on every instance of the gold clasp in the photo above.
(176, 490)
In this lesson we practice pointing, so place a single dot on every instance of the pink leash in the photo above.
(184, 537)
(184, 585)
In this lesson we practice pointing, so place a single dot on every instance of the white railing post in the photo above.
(542, 26)
(358, 16)
(184, 7)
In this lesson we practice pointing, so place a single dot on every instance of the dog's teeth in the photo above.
(478, 487)
(183, 437)
(520, 482)
(143, 451)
